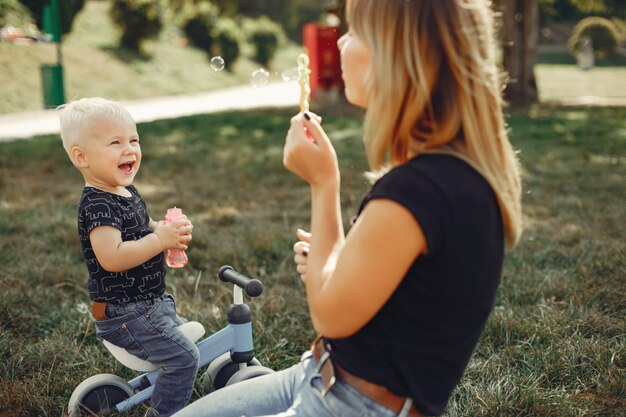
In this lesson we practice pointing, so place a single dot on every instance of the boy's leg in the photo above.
(169, 349)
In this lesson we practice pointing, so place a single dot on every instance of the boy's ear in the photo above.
(78, 156)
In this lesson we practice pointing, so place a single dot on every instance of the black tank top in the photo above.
(419, 344)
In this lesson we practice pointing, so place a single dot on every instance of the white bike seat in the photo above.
(192, 330)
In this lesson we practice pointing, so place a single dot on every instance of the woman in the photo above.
(401, 300)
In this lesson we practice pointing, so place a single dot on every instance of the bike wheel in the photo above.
(248, 373)
(220, 370)
(98, 395)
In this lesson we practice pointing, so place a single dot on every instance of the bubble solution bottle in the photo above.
(176, 258)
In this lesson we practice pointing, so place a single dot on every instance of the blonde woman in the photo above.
(401, 301)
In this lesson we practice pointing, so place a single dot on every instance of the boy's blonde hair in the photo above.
(76, 116)
(434, 87)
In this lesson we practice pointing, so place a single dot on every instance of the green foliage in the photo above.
(589, 6)
(265, 35)
(69, 9)
(138, 20)
(290, 14)
(230, 39)
(603, 33)
(199, 24)
(12, 12)
(570, 10)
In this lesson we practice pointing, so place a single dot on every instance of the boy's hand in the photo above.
(176, 235)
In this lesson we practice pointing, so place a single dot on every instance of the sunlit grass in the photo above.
(554, 346)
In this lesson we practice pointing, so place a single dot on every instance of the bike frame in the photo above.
(235, 338)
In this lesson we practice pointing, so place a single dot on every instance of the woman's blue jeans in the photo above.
(147, 329)
(296, 391)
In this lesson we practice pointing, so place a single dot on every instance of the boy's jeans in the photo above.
(147, 329)
(296, 391)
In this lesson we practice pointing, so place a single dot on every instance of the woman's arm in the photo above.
(380, 248)
(347, 280)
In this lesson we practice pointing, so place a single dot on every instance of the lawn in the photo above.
(555, 344)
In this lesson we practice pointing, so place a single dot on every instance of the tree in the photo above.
(571, 10)
(69, 10)
(138, 20)
(520, 31)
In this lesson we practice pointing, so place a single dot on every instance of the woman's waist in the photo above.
(330, 371)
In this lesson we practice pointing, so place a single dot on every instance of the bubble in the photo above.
(290, 74)
(217, 63)
(259, 77)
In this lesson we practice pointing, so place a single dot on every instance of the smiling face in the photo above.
(109, 154)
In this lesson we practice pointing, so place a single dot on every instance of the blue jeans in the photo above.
(147, 329)
(296, 391)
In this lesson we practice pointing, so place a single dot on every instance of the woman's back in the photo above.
(419, 343)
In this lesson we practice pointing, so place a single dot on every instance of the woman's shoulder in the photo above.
(438, 163)
(436, 168)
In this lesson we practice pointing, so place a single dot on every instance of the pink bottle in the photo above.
(176, 258)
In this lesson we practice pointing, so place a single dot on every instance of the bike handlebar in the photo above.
(252, 287)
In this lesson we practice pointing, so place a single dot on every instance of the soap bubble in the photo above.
(217, 63)
(290, 74)
(259, 77)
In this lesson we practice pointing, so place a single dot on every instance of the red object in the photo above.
(320, 42)
(176, 258)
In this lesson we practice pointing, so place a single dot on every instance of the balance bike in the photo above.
(229, 351)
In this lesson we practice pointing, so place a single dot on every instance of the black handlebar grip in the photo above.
(252, 287)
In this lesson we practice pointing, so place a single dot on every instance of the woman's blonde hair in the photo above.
(434, 87)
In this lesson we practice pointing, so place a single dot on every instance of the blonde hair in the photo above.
(434, 87)
(76, 116)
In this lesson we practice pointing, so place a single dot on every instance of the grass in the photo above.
(555, 344)
(94, 65)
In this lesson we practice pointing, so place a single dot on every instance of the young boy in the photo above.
(123, 248)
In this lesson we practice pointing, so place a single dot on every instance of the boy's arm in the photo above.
(116, 255)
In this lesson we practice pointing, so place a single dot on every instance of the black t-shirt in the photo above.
(418, 345)
(130, 216)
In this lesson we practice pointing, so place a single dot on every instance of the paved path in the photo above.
(284, 94)
(16, 126)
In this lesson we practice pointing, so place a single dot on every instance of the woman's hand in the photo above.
(308, 152)
(301, 250)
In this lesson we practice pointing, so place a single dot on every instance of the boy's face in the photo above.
(112, 154)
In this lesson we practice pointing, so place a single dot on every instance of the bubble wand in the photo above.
(303, 80)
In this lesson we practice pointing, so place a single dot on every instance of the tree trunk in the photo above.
(520, 31)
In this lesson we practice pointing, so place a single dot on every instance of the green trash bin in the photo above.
(52, 83)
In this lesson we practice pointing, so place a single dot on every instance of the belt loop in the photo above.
(325, 356)
(406, 408)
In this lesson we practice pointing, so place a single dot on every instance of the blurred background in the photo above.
(56, 50)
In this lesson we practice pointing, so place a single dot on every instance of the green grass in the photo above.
(554, 346)
(94, 65)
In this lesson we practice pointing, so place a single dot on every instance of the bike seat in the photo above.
(191, 330)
